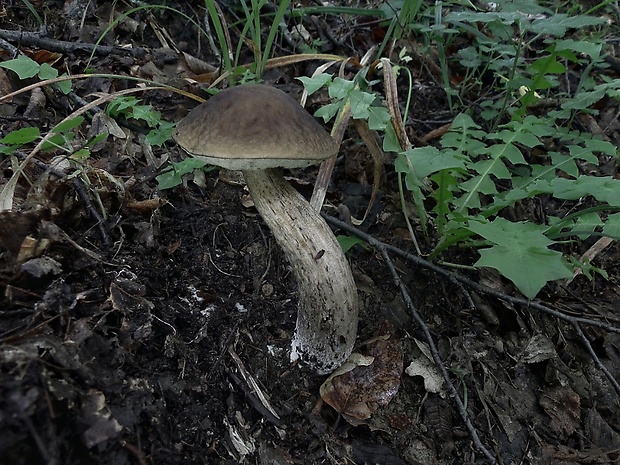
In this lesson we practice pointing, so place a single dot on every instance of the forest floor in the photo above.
(135, 340)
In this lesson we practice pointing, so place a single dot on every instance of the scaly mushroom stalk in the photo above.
(328, 308)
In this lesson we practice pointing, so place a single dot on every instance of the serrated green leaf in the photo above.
(57, 141)
(378, 118)
(587, 47)
(557, 24)
(602, 146)
(428, 160)
(604, 189)
(529, 268)
(23, 66)
(612, 226)
(340, 88)
(360, 102)
(525, 138)
(503, 232)
(520, 254)
(483, 185)
(21, 136)
(327, 112)
(546, 65)
(145, 113)
(585, 99)
(508, 151)
(47, 72)
(173, 176)
(483, 17)
(390, 141)
(568, 162)
(121, 105)
(312, 84)
(161, 134)
(586, 224)
(469, 57)
(464, 136)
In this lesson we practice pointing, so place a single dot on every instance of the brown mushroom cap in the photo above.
(254, 127)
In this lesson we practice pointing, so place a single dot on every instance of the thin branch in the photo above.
(33, 39)
(436, 357)
(455, 277)
(597, 361)
(462, 282)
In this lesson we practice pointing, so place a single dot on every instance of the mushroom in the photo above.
(257, 129)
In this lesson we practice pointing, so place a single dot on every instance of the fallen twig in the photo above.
(33, 39)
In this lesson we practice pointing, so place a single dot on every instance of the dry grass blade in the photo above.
(391, 98)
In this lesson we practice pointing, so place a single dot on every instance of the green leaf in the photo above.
(98, 138)
(340, 88)
(145, 113)
(121, 105)
(585, 99)
(57, 141)
(547, 65)
(568, 162)
(47, 72)
(21, 136)
(68, 125)
(23, 66)
(587, 47)
(390, 141)
(520, 254)
(64, 86)
(347, 242)
(173, 177)
(604, 189)
(80, 155)
(508, 151)
(586, 224)
(160, 135)
(360, 102)
(428, 160)
(557, 24)
(469, 57)
(378, 118)
(312, 84)
(327, 112)
(612, 226)
(587, 268)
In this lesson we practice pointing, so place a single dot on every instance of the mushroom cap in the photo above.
(254, 127)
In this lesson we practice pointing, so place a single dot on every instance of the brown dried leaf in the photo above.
(367, 380)
(15, 227)
(562, 404)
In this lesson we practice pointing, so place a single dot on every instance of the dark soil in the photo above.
(132, 341)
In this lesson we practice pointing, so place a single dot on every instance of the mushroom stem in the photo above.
(328, 307)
